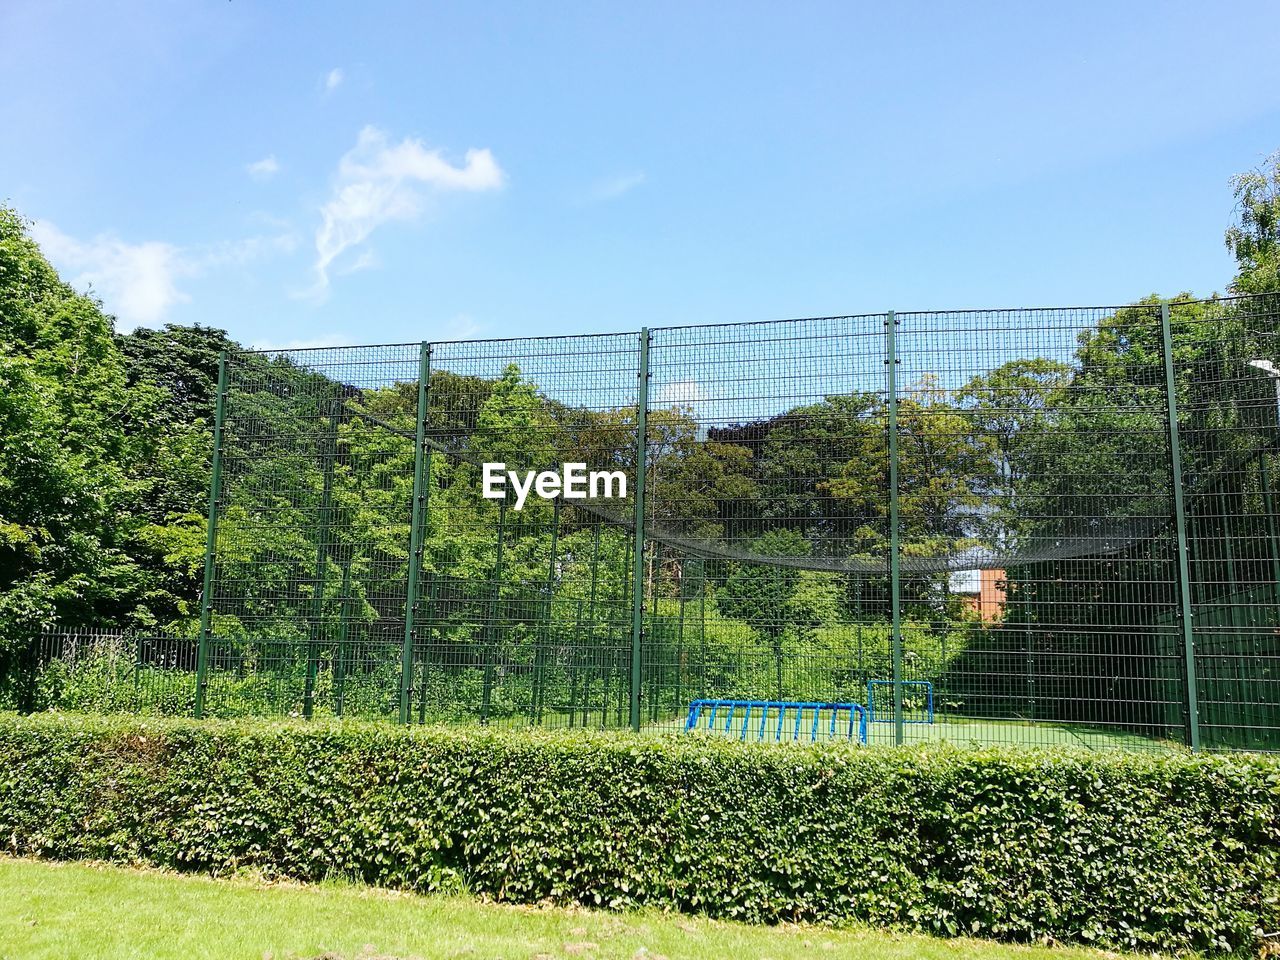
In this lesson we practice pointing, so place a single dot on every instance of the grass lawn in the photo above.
(73, 911)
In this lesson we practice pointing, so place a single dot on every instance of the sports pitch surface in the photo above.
(958, 732)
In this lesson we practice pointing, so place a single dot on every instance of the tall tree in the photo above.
(1254, 238)
(70, 438)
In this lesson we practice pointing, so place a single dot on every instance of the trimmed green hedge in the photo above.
(1123, 850)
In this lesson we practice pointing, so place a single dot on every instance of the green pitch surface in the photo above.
(959, 732)
(58, 911)
(994, 733)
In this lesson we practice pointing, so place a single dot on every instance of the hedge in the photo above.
(1149, 852)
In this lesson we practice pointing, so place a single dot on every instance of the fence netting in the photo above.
(1035, 527)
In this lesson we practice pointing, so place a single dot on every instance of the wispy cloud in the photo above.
(612, 187)
(378, 182)
(139, 282)
(366, 260)
(264, 169)
(333, 79)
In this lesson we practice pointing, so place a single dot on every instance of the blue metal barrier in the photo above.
(744, 710)
(871, 700)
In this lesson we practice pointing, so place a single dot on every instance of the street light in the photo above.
(1272, 371)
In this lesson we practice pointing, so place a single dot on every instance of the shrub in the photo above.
(1173, 852)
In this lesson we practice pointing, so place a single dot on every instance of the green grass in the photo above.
(87, 912)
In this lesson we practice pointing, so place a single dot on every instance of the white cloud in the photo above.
(612, 187)
(378, 182)
(333, 80)
(264, 169)
(138, 282)
(680, 393)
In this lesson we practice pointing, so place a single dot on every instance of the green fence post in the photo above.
(340, 654)
(1180, 526)
(895, 571)
(680, 640)
(424, 691)
(654, 637)
(432, 592)
(548, 631)
(637, 592)
(591, 624)
(211, 538)
(328, 452)
(702, 625)
(417, 519)
(490, 625)
(1269, 508)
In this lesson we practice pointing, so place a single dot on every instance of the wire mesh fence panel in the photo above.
(1036, 503)
(766, 575)
(113, 671)
(312, 550)
(522, 605)
(1023, 527)
(1227, 355)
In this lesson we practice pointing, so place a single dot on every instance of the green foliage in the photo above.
(111, 684)
(1254, 239)
(761, 593)
(942, 462)
(1136, 852)
(103, 457)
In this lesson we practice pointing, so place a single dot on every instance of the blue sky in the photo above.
(317, 173)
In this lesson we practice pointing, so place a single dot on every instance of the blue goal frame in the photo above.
(871, 700)
(749, 707)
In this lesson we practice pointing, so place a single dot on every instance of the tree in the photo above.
(1012, 402)
(762, 593)
(71, 433)
(104, 450)
(943, 463)
(803, 451)
(1254, 238)
(180, 360)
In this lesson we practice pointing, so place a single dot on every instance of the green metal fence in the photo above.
(1061, 523)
